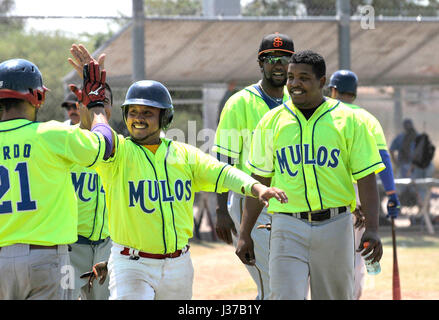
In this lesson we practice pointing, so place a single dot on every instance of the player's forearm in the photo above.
(238, 181)
(221, 207)
(100, 124)
(252, 209)
(386, 175)
(369, 198)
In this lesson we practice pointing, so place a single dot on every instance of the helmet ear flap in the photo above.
(166, 116)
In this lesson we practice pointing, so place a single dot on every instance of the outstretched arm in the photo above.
(252, 210)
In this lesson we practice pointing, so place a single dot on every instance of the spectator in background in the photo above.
(404, 145)
(70, 105)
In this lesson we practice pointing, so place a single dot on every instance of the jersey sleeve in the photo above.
(106, 167)
(377, 131)
(208, 172)
(73, 144)
(364, 157)
(261, 156)
(228, 138)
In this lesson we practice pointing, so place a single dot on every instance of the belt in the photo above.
(84, 240)
(134, 254)
(37, 246)
(317, 215)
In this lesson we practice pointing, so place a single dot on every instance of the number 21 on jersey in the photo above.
(26, 204)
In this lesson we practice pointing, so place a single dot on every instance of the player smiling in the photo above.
(150, 184)
(311, 147)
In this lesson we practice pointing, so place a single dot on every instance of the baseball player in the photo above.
(311, 147)
(37, 200)
(94, 243)
(239, 117)
(343, 85)
(150, 182)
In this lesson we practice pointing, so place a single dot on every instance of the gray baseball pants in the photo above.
(322, 252)
(83, 257)
(261, 242)
(34, 274)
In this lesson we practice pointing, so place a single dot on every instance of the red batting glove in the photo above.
(93, 92)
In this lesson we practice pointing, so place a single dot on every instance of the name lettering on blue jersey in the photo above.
(137, 193)
(288, 160)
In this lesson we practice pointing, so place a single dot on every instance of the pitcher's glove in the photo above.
(99, 271)
(93, 91)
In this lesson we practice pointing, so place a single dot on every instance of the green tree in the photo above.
(7, 24)
(328, 7)
(49, 51)
(173, 7)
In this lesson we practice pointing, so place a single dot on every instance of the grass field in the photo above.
(219, 275)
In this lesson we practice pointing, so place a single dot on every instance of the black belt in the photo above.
(84, 240)
(316, 216)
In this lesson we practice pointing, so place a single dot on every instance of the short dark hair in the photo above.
(9, 103)
(312, 58)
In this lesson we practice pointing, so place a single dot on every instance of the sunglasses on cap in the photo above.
(284, 60)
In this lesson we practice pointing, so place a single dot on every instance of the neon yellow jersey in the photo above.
(37, 198)
(313, 160)
(150, 196)
(372, 124)
(239, 118)
(92, 208)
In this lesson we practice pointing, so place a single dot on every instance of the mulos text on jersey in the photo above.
(85, 180)
(290, 156)
(154, 191)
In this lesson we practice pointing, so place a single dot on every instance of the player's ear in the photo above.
(261, 65)
(322, 82)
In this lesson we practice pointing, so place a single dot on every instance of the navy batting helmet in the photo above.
(21, 79)
(150, 93)
(344, 81)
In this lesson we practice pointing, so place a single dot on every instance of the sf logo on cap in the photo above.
(277, 42)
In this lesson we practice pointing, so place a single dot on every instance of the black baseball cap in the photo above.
(276, 42)
(71, 98)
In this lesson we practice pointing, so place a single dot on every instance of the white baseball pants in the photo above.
(149, 279)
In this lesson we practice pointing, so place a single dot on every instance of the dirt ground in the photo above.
(219, 275)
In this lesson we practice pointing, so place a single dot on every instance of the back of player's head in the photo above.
(276, 42)
(345, 81)
(153, 94)
(311, 58)
(21, 79)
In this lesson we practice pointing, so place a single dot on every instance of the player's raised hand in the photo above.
(81, 57)
(264, 193)
(93, 92)
(99, 271)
